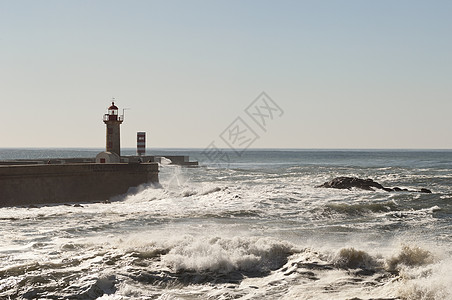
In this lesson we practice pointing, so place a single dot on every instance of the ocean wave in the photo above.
(188, 193)
(362, 208)
(409, 256)
(412, 273)
(423, 212)
(150, 266)
(350, 258)
(223, 255)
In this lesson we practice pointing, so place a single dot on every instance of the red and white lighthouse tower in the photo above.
(113, 121)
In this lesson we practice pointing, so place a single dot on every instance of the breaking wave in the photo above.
(219, 255)
(350, 258)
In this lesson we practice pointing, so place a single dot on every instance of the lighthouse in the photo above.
(113, 122)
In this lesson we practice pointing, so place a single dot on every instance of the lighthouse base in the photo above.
(81, 182)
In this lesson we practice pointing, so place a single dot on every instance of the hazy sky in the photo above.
(346, 74)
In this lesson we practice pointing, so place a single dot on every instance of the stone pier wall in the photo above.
(85, 182)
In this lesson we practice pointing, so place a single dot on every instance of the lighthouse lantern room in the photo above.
(113, 121)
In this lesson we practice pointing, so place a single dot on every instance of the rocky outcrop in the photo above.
(363, 184)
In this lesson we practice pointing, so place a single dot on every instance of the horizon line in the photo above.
(229, 149)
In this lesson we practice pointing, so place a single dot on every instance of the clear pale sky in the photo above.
(347, 74)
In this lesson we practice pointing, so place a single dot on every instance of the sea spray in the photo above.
(409, 256)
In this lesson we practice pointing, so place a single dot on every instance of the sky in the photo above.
(335, 74)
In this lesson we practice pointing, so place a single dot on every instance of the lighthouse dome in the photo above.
(113, 106)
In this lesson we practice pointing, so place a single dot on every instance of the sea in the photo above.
(252, 226)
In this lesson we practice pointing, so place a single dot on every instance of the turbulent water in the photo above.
(253, 228)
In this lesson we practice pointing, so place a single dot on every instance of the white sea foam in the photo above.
(427, 282)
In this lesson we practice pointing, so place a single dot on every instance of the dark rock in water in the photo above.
(363, 184)
(352, 182)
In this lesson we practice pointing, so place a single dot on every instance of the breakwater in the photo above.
(81, 182)
(180, 160)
